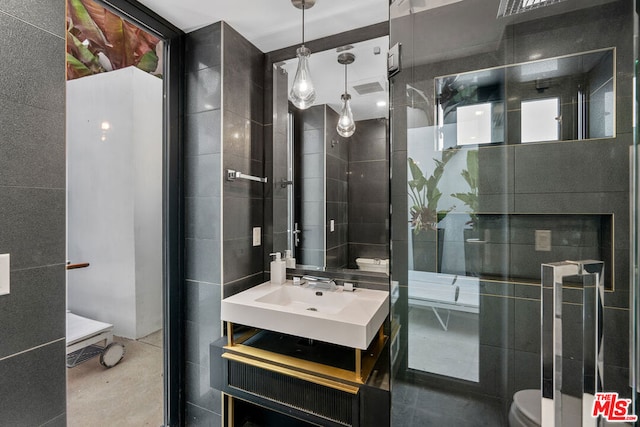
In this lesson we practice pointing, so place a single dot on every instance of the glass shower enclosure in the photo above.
(514, 146)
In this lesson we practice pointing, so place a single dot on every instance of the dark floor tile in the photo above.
(199, 417)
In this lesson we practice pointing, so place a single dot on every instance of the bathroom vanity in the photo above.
(312, 353)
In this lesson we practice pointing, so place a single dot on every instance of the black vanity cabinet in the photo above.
(276, 394)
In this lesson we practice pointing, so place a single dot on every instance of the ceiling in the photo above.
(273, 24)
(328, 77)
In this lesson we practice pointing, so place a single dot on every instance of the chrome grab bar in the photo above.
(232, 175)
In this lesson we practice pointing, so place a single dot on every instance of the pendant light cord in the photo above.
(345, 79)
(303, 8)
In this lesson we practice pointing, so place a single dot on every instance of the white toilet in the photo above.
(373, 264)
(526, 410)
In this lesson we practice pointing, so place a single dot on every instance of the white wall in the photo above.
(114, 181)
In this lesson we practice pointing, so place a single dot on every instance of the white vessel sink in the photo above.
(351, 319)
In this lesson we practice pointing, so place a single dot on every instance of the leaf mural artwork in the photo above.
(100, 41)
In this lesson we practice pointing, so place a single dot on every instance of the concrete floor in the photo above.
(129, 394)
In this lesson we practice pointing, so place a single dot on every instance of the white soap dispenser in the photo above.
(278, 269)
(288, 259)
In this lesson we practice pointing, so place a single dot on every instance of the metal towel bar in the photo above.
(232, 175)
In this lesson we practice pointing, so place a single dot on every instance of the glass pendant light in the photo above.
(346, 126)
(303, 92)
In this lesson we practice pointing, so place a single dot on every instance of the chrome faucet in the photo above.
(321, 282)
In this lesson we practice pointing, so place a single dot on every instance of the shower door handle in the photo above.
(592, 278)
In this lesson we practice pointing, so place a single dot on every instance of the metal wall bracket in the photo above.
(394, 65)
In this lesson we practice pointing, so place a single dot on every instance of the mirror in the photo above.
(334, 190)
(557, 99)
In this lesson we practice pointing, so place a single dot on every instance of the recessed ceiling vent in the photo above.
(512, 7)
(367, 88)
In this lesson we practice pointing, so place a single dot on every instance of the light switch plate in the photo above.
(543, 240)
(257, 236)
(332, 225)
(5, 268)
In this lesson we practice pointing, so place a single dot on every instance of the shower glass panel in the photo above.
(511, 139)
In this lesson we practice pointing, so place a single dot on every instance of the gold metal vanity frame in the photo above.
(318, 373)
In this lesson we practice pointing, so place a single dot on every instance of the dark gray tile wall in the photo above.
(32, 212)
(276, 142)
(337, 195)
(310, 185)
(557, 178)
(243, 150)
(349, 176)
(601, 83)
(369, 191)
(220, 215)
(203, 219)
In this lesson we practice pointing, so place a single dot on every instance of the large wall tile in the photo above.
(203, 300)
(562, 35)
(198, 390)
(616, 337)
(32, 386)
(202, 260)
(33, 313)
(527, 336)
(33, 68)
(575, 202)
(369, 212)
(237, 135)
(47, 16)
(313, 118)
(256, 141)
(571, 167)
(496, 169)
(33, 224)
(526, 370)
(496, 321)
(241, 259)
(203, 176)
(31, 153)
(59, 421)
(245, 214)
(203, 47)
(244, 283)
(203, 90)
(202, 134)
(202, 217)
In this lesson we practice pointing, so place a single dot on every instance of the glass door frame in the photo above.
(172, 197)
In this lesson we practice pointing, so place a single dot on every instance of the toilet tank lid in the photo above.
(378, 261)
